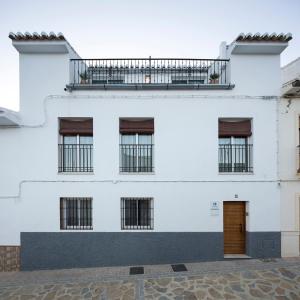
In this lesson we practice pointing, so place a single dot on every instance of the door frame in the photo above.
(245, 225)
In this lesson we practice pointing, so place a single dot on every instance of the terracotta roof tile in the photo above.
(43, 36)
(266, 37)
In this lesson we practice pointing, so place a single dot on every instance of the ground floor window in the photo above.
(76, 213)
(137, 213)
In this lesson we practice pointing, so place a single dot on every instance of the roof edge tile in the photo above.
(43, 36)
(266, 37)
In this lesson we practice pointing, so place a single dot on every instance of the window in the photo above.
(107, 77)
(137, 213)
(196, 81)
(136, 145)
(76, 145)
(235, 149)
(192, 79)
(76, 213)
(115, 81)
(179, 81)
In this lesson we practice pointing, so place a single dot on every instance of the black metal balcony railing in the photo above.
(235, 158)
(136, 158)
(75, 158)
(151, 72)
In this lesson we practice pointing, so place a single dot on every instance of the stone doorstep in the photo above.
(236, 256)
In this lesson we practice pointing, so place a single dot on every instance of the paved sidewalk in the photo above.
(236, 279)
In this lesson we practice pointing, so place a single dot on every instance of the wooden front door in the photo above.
(234, 218)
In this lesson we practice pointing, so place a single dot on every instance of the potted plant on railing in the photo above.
(214, 78)
(84, 77)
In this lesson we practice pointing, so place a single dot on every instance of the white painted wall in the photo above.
(177, 206)
(289, 114)
(41, 75)
(186, 177)
(186, 151)
(291, 71)
(256, 75)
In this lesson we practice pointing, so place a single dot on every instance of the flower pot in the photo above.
(214, 81)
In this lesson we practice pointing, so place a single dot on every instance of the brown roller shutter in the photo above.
(235, 128)
(137, 126)
(76, 126)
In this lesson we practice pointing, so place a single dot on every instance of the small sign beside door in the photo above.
(214, 208)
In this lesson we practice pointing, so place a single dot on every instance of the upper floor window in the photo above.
(75, 145)
(235, 146)
(76, 213)
(136, 145)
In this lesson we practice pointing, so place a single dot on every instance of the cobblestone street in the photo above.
(239, 279)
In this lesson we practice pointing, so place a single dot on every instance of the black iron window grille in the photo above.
(235, 158)
(298, 150)
(149, 71)
(137, 213)
(136, 153)
(75, 154)
(76, 213)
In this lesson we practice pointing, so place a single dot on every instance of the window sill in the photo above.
(136, 229)
(236, 173)
(136, 173)
(76, 229)
(75, 173)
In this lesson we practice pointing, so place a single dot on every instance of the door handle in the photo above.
(241, 227)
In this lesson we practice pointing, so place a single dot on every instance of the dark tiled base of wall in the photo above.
(9, 258)
(263, 244)
(58, 250)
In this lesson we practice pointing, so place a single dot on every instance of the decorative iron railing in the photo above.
(75, 158)
(135, 158)
(151, 72)
(234, 158)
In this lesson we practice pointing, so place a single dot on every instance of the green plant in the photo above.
(214, 76)
(84, 75)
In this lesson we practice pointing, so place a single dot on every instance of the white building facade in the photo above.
(141, 161)
(289, 158)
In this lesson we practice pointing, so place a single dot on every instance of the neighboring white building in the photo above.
(141, 161)
(289, 158)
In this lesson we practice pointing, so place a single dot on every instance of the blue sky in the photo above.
(139, 28)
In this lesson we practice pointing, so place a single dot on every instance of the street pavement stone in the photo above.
(248, 279)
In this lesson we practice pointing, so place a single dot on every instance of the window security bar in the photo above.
(235, 158)
(136, 158)
(137, 213)
(75, 158)
(76, 213)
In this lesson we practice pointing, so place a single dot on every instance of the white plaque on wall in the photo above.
(214, 208)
